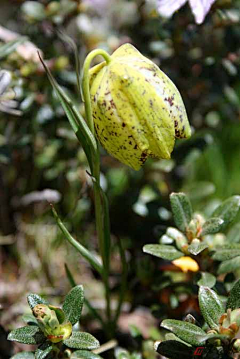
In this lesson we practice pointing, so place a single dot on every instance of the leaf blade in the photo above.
(73, 304)
(82, 340)
(162, 251)
(186, 331)
(211, 306)
(233, 301)
(27, 335)
(182, 209)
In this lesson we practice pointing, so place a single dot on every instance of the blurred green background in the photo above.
(41, 160)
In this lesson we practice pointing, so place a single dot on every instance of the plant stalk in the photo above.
(102, 227)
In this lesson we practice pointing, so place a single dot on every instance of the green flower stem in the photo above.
(102, 226)
(85, 83)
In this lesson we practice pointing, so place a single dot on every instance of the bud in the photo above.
(51, 322)
(137, 110)
(180, 239)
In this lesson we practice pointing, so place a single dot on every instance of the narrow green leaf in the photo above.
(24, 355)
(77, 122)
(10, 47)
(173, 349)
(29, 319)
(27, 335)
(34, 299)
(73, 45)
(73, 304)
(80, 248)
(182, 210)
(162, 251)
(233, 301)
(197, 247)
(230, 265)
(228, 210)
(233, 235)
(207, 280)
(211, 226)
(70, 276)
(211, 306)
(80, 340)
(186, 331)
(227, 252)
(43, 351)
(84, 354)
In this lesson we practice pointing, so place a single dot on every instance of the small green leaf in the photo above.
(162, 251)
(197, 246)
(186, 331)
(173, 349)
(182, 210)
(207, 280)
(228, 210)
(43, 351)
(73, 304)
(80, 340)
(211, 306)
(227, 252)
(233, 301)
(171, 336)
(29, 319)
(230, 265)
(27, 335)
(34, 299)
(84, 354)
(212, 226)
(166, 239)
(24, 355)
(233, 235)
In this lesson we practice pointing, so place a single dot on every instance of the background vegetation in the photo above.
(41, 160)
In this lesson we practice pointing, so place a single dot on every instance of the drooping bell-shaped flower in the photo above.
(137, 110)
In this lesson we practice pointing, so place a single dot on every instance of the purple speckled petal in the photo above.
(167, 7)
(200, 8)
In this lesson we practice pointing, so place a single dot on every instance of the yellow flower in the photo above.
(186, 264)
(137, 110)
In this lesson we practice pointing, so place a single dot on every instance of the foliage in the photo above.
(50, 328)
(41, 161)
(219, 337)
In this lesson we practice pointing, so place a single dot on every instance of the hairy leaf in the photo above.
(186, 331)
(211, 306)
(80, 340)
(27, 335)
(162, 251)
(182, 210)
(233, 301)
(73, 304)
(34, 299)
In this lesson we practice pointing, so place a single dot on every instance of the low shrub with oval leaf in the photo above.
(196, 236)
(218, 337)
(51, 329)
